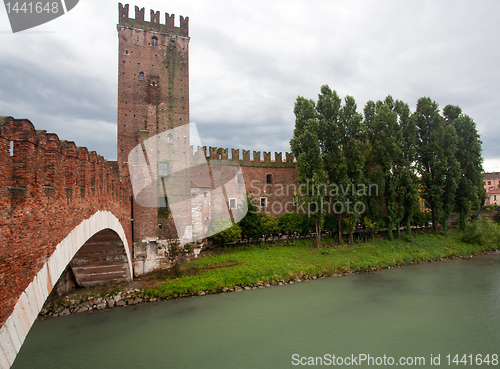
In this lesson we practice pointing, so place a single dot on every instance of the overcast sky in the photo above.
(249, 60)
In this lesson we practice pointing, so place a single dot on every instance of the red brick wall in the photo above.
(47, 188)
(159, 101)
(280, 192)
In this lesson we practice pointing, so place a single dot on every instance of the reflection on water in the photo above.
(440, 308)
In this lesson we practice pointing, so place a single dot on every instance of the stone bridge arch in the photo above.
(94, 248)
(54, 198)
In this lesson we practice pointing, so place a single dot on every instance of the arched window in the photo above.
(141, 76)
(170, 139)
(269, 179)
(154, 41)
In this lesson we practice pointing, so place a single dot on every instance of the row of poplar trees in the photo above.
(424, 154)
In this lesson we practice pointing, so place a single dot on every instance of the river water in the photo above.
(421, 312)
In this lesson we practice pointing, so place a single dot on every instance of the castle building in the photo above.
(153, 97)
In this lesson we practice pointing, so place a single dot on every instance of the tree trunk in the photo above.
(463, 220)
(444, 223)
(339, 226)
(389, 231)
(398, 231)
(408, 226)
(351, 238)
(318, 233)
(434, 222)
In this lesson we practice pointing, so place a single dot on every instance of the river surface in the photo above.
(426, 311)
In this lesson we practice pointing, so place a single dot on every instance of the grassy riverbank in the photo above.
(273, 263)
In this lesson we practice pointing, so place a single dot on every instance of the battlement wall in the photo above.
(37, 162)
(48, 187)
(154, 23)
(245, 159)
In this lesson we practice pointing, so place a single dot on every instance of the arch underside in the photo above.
(97, 250)
(100, 260)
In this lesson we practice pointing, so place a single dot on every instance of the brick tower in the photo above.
(153, 95)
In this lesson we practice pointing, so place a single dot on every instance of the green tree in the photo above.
(451, 173)
(332, 143)
(384, 135)
(470, 190)
(438, 166)
(409, 190)
(353, 148)
(311, 174)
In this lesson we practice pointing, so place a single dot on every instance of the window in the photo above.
(263, 202)
(489, 182)
(269, 179)
(141, 76)
(170, 139)
(232, 203)
(11, 148)
(162, 169)
(154, 41)
(495, 196)
(239, 177)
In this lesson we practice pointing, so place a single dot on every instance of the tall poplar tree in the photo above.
(329, 113)
(409, 184)
(306, 148)
(439, 168)
(430, 128)
(470, 190)
(385, 139)
(353, 147)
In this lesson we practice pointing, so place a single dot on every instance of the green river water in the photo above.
(418, 314)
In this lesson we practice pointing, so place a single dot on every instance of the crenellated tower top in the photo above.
(154, 23)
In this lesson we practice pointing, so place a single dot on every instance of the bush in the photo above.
(290, 222)
(331, 222)
(269, 224)
(483, 232)
(418, 218)
(250, 224)
(223, 230)
(308, 224)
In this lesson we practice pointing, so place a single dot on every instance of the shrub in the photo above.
(308, 224)
(483, 232)
(223, 230)
(250, 224)
(269, 224)
(331, 222)
(290, 222)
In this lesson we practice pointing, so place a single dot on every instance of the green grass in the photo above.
(289, 260)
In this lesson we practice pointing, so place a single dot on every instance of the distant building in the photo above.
(493, 197)
(491, 182)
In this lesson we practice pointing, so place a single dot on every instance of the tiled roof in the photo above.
(492, 175)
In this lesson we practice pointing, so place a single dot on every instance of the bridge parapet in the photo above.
(47, 188)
